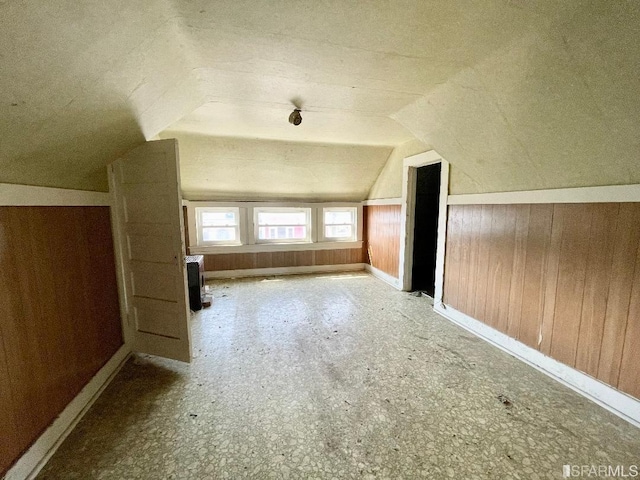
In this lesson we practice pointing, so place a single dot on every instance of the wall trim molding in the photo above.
(384, 276)
(383, 201)
(263, 272)
(36, 457)
(29, 196)
(612, 193)
(617, 402)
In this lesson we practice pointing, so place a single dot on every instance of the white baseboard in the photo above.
(260, 272)
(30, 464)
(614, 400)
(385, 277)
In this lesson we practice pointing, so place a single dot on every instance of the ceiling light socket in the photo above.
(295, 118)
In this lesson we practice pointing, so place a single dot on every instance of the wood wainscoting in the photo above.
(302, 258)
(381, 249)
(561, 278)
(59, 315)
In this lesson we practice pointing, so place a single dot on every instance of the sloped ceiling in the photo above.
(553, 108)
(82, 82)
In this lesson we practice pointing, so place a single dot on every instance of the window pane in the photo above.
(213, 219)
(282, 218)
(332, 217)
(218, 234)
(286, 232)
(338, 231)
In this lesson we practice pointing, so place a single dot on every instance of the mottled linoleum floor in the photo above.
(336, 376)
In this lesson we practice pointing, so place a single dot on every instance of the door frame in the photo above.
(408, 211)
(118, 249)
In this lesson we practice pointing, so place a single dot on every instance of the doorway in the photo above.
(425, 233)
(432, 200)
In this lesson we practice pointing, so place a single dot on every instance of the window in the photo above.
(243, 227)
(218, 226)
(282, 225)
(340, 224)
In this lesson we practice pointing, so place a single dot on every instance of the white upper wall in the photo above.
(389, 182)
(225, 168)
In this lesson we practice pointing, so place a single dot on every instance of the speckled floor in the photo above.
(336, 376)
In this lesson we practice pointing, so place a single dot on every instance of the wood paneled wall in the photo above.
(59, 314)
(243, 261)
(381, 237)
(561, 278)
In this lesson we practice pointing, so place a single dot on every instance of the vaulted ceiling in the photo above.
(508, 86)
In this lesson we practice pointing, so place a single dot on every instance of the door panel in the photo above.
(156, 321)
(146, 186)
(155, 280)
(149, 248)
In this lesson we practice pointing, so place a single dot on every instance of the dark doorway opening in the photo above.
(425, 233)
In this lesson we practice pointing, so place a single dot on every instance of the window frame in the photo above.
(247, 228)
(199, 210)
(308, 211)
(323, 224)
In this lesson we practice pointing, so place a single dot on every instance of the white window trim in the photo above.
(247, 237)
(292, 241)
(238, 226)
(322, 225)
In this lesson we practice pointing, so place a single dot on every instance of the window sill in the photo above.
(272, 247)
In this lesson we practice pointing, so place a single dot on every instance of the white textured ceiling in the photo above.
(82, 82)
(271, 122)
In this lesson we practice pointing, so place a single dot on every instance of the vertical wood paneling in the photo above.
(263, 260)
(278, 260)
(296, 258)
(306, 258)
(100, 282)
(572, 266)
(630, 366)
(507, 245)
(494, 273)
(9, 447)
(536, 257)
(482, 271)
(626, 241)
(24, 339)
(472, 284)
(551, 280)
(560, 278)
(604, 218)
(355, 256)
(382, 237)
(464, 263)
(59, 314)
(452, 257)
(518, 270)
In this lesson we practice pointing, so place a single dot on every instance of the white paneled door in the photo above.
(148, 225)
